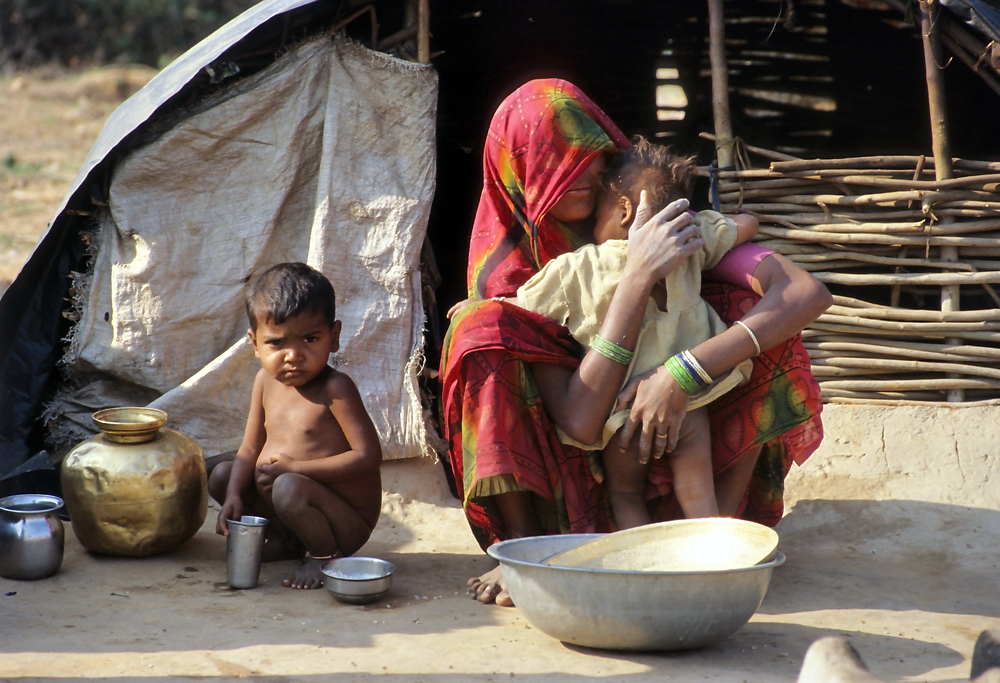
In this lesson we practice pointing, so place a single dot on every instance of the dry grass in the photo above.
(50, 121)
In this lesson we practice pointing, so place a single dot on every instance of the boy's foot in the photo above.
(282, 547)
(490, 587)
(309, 576)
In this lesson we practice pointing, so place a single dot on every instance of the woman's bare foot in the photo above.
(490, 587)
(309, 576)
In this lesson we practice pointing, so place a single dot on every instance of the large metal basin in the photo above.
(627, 610)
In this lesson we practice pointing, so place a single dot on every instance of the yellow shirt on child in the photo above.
(575, 290)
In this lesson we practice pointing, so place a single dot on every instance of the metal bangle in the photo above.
(753, 337)
(681, 374)
(696, 366)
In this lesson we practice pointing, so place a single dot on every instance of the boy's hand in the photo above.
(232, 508)
(267, 472)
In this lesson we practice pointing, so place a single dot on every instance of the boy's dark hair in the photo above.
(287, 290)
(663, 174)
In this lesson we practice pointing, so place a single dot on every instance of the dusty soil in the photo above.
(907, 582)
(50, 120)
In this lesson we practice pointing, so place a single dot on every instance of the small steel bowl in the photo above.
(358, 580)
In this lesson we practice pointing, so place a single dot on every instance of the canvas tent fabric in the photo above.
(983, 15)
(31, 308)
(325, 157)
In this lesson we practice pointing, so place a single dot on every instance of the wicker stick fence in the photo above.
(883, 234)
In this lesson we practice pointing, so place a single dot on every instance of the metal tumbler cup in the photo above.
(244, 550)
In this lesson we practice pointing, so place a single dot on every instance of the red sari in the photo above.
(541, 139)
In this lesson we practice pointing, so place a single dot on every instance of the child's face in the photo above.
(297, 350)
(613, 215)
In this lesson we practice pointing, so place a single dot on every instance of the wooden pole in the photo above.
(933, 65)
(423, 31)
(720, 84)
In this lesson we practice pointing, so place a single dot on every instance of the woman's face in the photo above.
(577, 204)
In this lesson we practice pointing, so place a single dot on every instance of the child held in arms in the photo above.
(576, 289)
(310, 456)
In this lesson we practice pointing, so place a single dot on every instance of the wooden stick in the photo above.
(890, 161)
(910, 227)
(868, 238)
(865, 331)
(873, 399)
(952, 183)
(909, 325)
(424, 31)
(819, 258)
(884, 365)
(838, 350)
(736, 195)
(720, 83)
(813, 336)
(877, 162)
(936, 279)
(933, 66)
(913, 315)
(906, 384)
(848, 217)
(764, 184)
(760, 151)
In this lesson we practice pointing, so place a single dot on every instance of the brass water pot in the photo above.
(137, 488)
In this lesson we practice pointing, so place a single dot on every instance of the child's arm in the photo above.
(246, 457)
(365, 454)
(746, 227)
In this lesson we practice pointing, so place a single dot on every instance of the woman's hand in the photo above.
(658, 245)
(457, 308)
(659, 406)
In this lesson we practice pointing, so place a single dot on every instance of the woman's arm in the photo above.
(580, 400)
(746, 228)
(791, 300)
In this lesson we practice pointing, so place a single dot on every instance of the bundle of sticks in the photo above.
(903, 254)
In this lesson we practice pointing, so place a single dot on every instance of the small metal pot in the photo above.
(358, 580)
(31, 536)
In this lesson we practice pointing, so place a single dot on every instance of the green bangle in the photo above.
(681, 374)
(611, 351)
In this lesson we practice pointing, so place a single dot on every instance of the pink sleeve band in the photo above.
(736, 267)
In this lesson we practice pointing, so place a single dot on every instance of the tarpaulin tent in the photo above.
(269, 141)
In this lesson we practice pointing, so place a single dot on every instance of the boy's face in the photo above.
(613, 215)
(297, 350)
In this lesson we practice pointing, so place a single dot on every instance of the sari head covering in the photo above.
(541, 139)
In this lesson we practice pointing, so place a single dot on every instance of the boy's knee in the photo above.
(218, 480)
(287, 492)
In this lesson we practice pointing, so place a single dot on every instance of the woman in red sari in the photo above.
(509, 376)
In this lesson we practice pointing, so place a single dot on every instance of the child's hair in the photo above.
(287, 290)
(664, 175)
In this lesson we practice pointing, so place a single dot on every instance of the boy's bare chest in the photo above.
(293, 416)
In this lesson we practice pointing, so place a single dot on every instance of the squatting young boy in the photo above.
(310, 456)
(576, 289)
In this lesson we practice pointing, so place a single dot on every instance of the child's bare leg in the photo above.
(731, 485)
(322, 520)
(625, 483)
(519, 517)
(279, 542)
(691, 464)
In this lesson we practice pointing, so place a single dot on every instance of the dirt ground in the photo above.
(906, 582)
(911, 580)
(50, 120)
